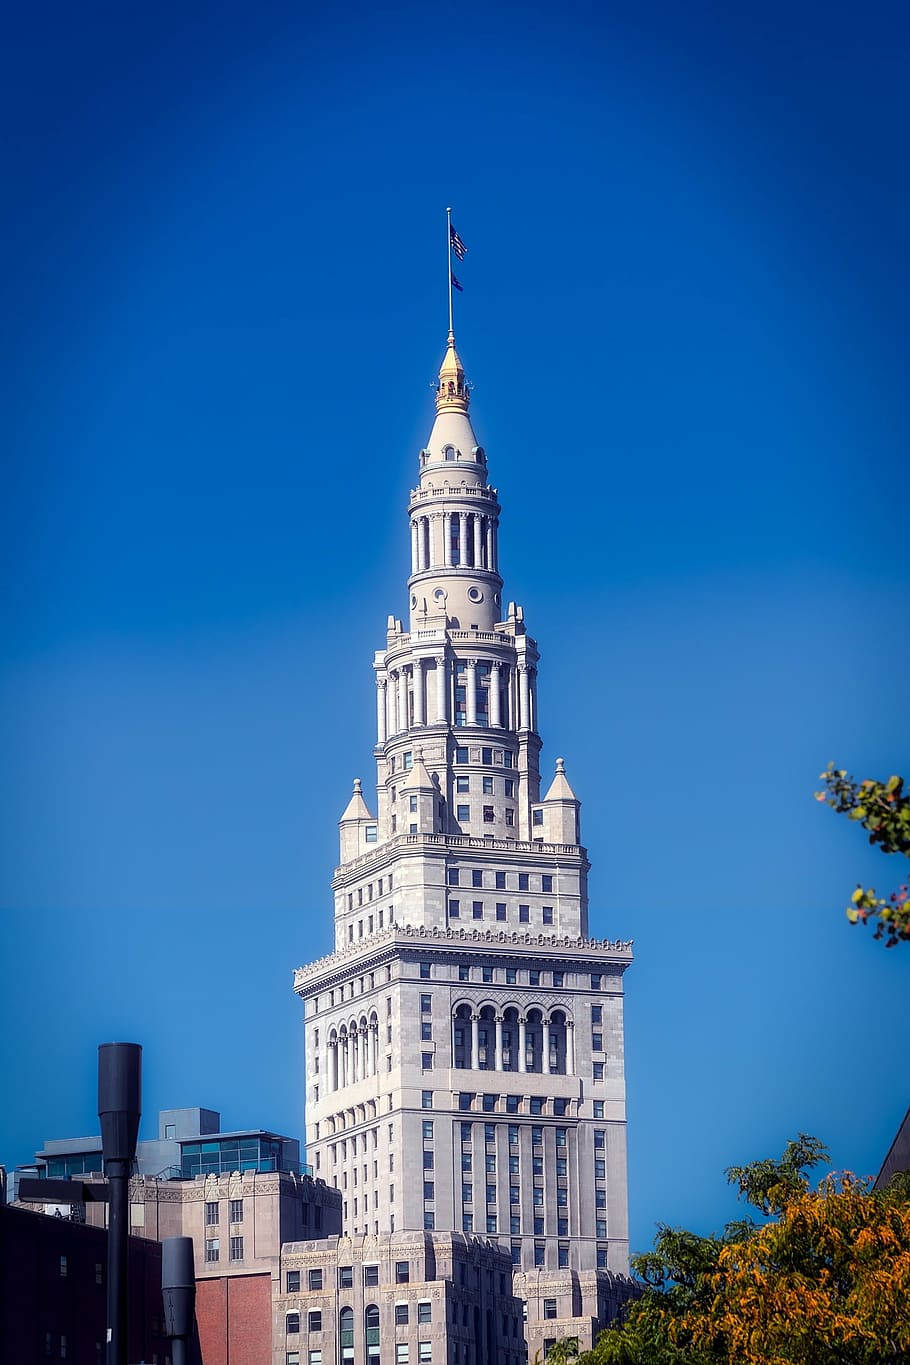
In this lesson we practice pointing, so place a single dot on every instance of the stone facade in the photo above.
(408, 1298)
(464, 1041)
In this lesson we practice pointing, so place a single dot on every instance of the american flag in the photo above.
(458, 245)
(456, 284)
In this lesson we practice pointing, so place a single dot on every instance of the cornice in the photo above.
(384, 944)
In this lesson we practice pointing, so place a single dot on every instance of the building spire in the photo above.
(452, 392)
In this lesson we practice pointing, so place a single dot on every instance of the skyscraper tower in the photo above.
(464, 1041)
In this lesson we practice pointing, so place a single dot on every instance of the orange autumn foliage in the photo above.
(828, 1281)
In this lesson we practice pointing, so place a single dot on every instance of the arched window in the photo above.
(346, 1329)
(371, 1330)
(449, 453)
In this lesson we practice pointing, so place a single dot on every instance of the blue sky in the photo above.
(685, 314)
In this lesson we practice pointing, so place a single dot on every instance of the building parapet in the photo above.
(619, 950)
(481, 842)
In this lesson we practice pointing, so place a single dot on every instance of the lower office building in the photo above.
(407, 1298)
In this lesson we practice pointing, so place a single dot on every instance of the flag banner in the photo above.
(456, 285)
(458, 245)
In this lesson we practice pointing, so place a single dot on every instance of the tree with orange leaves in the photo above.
(825, 1281)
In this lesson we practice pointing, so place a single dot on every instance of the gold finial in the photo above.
(452, 393)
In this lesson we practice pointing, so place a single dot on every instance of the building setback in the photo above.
(464, 1041)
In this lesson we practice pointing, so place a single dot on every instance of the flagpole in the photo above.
(449, 261)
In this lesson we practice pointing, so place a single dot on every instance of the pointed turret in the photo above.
(424, 803)
(555, 818)
(357, 827)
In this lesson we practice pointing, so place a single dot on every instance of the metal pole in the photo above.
(119, 1108)
(449, 263)
(178, 1293)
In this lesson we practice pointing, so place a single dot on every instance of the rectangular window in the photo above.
(462, 784)
(466, 1131)
(477, 909)
(537, 1136)
(461, 754)
(510, 815)
(428, 1160)
(489, 1107)
(454, 909)
(510, 786)
(236, 1210)
(516, 1253)
(546, 882)
(491, 1220)
(598, 1076)
(463, 814)
(371, 1274)
(600, 1227)
(533, 976)
(345, 1277)
(402, 1272)
(292, 1282)
(426, 1030)
(500, 910)
(522, 881)
(537, 816)
(597, 1014)
(488, 816)
(500, 881)
(560, 1108)
(424, 1352)
(507, 761)
(486, 974)
(549, 1308)
(314, 1279)
(488, 786)
(429, 1220)
(467, 1222)
(426, 1061)
(595, 981)
(511, 976)
(369, 833)
(212, 1249)
(453, 876)
(547, 913)
(538, 1226)
(428, 1130)
(407, 759)
(426, 1099)
(539, 1253)
(211, 1214)
(477, 878)
(600, 1170)
(597, 1042)
(602, 1257)
(515, 1225)
(598, 1109)
(424, 1312)
(559, 979)
(467, 1194)
(561, 1137)
(562, 1227)
(426, 1004)
(401, 1315)
(424, 971)
(64, 1265)
(314, 1320)
(600, 1139)
(524, 917)
(236, 1249)
(466, 1099)
(429, 1191)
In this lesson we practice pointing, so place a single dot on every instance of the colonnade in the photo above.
(522, 1041)
(353, 1054)
(446, 539)
(408, 697)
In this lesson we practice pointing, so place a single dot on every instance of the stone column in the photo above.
(478, 556)
(524, 698)
(489, 540)
(498, 1062)
(522, 1045)
(350, 1072)
(495, 720)
(374, 1046)
(494, 542)
(463, 538)
(532, 723)
(475, 1042)
(545, 1049)
(447, 539)
(442, 689)
(402, 701)
(570, 1048)
(471, 690)
(381, 711)
(365, 1059)
(333, 1067)
(418, 692)
(415, 547)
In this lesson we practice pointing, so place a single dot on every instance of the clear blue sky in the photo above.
(685, 313)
